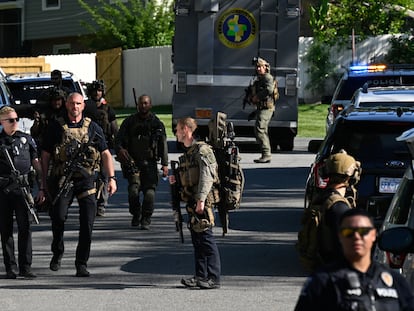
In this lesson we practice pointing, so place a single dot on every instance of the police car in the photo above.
(367, 134)
(355, 77)
(27, 87)
(390, 96)
(396, 239)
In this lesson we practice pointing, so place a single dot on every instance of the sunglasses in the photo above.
(11, 120)
(349, 232)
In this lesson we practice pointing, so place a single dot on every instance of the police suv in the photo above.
(390, 96)
(27, 87)
(374, 76)
(367, 134)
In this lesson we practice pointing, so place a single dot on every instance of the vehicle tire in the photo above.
(286, 145)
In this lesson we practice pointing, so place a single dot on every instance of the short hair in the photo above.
(6, 110)
(356, 212)
(144, 95)
(189, 122)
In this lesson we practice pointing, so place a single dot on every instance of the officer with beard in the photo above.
(140, 143)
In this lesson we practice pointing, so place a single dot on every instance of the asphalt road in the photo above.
(140, 270)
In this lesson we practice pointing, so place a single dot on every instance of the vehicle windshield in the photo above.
(371, 142)
(25, 92)
(350, 85)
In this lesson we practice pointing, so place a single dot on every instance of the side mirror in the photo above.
(397, 240)
(314, 145)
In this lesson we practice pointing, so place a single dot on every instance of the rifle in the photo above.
(21, 183)
(135, 96)
(246, 96)
(176, 200)
(72, 166)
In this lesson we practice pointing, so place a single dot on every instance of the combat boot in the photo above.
(263, 159)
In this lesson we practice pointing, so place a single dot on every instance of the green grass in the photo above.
(311, 119)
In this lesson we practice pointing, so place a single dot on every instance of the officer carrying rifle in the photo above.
(18, 154)
(139, 144)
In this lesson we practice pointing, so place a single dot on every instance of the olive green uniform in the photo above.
(146, 142)
(263, 88)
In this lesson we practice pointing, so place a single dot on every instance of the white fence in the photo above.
(149, 70)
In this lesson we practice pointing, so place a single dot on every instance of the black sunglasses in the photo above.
(11, 120)
(349, 232)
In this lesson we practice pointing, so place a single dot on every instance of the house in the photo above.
(42, 27)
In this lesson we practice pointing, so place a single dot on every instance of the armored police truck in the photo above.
(214, 44)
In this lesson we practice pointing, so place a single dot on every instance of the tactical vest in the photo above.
(190, 173)
(315, 236)
(72, 139)
(141, 145)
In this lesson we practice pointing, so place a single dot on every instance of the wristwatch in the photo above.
(112, 177)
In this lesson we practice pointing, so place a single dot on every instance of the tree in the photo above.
(134, 24)
(332, 23)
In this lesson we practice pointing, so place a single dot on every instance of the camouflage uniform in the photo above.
(263, 89)
(146, 142)
(198, 173)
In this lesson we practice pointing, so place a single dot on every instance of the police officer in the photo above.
(261, 96)
(22, 150)
(198, 174)
(68, 138)
(98, 109)
(356, 282)
(139, 144)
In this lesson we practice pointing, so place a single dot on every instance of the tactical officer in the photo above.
(342, 173)
(198, 174)
(23, 152)
(356, 282)
(54, 108)
(139, 144)
(261, 96)
(98, 109)
(75, 146)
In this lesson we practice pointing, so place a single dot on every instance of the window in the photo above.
(61, 48)
(50, 5)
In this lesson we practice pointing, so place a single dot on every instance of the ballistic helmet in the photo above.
(57, 94)
(262, 62)
(97, 85)
(342, 163)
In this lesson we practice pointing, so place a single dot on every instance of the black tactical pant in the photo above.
(87, 212)
(146, 182)
(14, 202)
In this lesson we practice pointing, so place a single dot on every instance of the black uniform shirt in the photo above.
(22, 149)
(339, 287)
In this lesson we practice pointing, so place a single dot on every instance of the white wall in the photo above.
(82, 65)
(149, 71)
